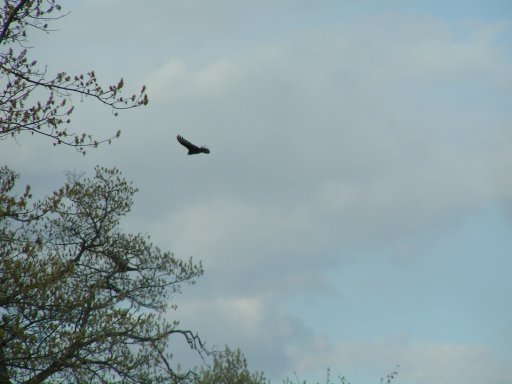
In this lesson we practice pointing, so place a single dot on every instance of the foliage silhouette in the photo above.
(81, 300)
(34, 101)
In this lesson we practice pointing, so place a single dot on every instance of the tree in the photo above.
(341, 379)
(34, 101)
(229, 367)
(82, 301)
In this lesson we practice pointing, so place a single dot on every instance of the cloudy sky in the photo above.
(355, 211)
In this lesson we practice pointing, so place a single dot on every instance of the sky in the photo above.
(355, 210)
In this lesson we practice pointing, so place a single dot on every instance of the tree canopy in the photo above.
(81, 300)
(229, 367)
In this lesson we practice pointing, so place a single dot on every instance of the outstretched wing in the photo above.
(187, 144)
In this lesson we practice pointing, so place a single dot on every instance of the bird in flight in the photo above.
(192, 149)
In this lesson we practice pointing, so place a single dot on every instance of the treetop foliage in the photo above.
(21, 78)
(229, 367)
(81, 301)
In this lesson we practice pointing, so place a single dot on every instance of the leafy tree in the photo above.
(82, 301)
(229, 367)
(32, 100)
(341, 379)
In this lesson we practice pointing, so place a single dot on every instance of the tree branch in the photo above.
(10, 18)
(4, 373)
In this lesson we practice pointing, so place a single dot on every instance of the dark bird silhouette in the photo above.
(192, 149)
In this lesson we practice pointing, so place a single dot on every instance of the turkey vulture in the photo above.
(192, 149)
